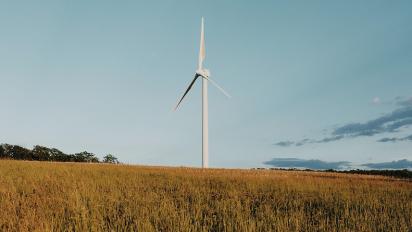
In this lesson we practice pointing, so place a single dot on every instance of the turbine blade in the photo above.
(217, 86)
(202, 50)
(187, 90)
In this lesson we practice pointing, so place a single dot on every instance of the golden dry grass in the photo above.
(40, 196)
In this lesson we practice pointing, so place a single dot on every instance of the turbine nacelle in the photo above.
(203, 72)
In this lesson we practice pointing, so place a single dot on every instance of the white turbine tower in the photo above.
(205, 74)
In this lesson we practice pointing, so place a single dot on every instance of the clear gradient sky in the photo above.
(103, 76)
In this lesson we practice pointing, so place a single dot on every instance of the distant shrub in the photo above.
(109, 158)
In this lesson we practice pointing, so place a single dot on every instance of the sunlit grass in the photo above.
(43, 196)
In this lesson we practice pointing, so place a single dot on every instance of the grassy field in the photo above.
(41, 196)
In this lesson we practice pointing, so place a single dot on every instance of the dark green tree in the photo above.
(109, 158)
(2, 153)
(57, 155)
(41, 153)
(18, 153)
(85, 157)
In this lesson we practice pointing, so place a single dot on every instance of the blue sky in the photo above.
(103, 76)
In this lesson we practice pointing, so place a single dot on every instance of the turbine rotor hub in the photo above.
(203, 72)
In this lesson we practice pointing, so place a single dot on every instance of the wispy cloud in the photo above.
(338, 165)
(284, 143)
(404, 102)
(388, 123)
(329, 139)
(305, 141)
(394, 139)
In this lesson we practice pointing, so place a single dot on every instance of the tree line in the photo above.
(400, 173)
(41, 153)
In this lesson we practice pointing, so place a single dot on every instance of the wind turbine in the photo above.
(205, 75)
